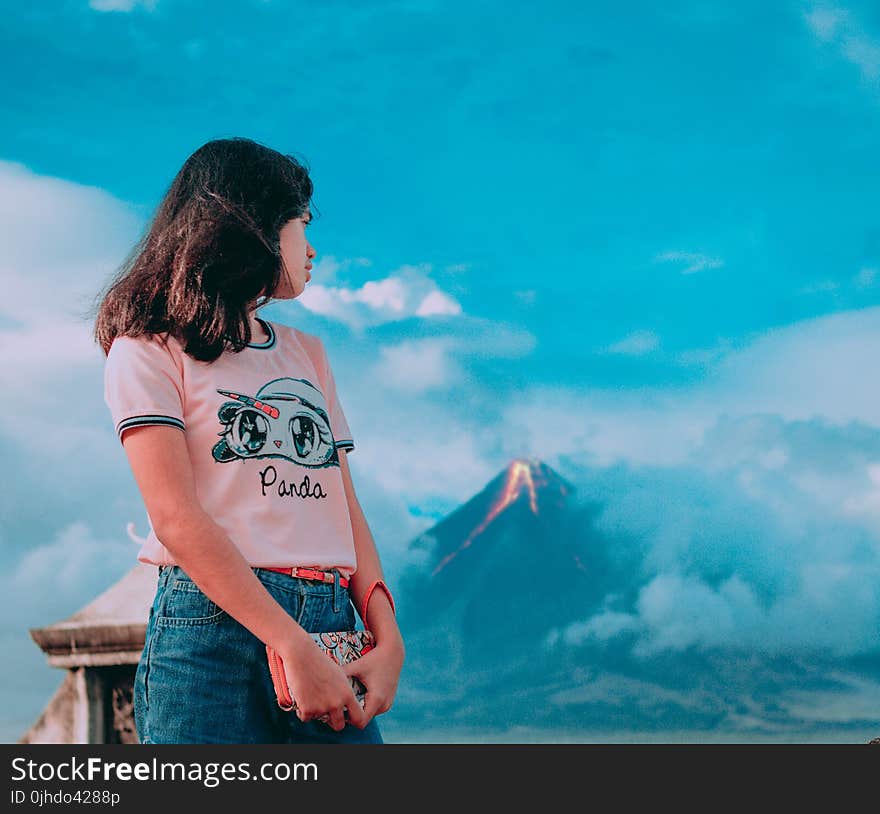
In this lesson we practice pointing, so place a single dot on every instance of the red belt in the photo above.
(310, 573)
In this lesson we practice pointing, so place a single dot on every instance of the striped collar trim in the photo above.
(270, 332)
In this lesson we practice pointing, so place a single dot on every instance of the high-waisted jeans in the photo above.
(204, 678)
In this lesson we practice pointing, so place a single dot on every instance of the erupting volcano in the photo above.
(525, 481)
(513, 540)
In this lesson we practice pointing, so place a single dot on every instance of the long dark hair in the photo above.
(211, 253)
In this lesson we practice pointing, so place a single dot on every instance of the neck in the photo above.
(258, 333)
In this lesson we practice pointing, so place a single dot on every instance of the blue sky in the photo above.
(635, 240)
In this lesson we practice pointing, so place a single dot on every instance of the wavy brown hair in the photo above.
(211, 253)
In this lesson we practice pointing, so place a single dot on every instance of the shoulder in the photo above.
(311, 342)
(301, 336)
(158, 347)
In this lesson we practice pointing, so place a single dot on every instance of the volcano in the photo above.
(516, 554)
(527, 496)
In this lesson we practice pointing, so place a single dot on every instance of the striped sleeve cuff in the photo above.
(145, 420)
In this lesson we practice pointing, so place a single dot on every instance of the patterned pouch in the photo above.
(343, 646)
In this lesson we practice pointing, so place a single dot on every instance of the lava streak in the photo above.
(519, 476)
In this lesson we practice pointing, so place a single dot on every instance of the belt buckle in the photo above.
(314, 573)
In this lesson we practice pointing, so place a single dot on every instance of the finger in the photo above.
(356, 715)
(305, 717)
(353, 668)
(336, 719)
(356, 667)
(372, 704)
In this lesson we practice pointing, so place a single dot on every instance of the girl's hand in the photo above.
(320, 687)
(379, 671)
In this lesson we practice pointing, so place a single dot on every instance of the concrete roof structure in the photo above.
(109, 630)
(99, 646)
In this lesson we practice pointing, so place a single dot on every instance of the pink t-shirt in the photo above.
(263, 428)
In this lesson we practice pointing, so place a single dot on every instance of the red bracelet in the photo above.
(377, 584)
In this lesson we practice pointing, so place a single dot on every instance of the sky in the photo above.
(637, 241)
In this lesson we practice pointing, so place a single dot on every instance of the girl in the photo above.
(237, 441)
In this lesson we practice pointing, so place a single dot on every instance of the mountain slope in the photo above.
(502, 579)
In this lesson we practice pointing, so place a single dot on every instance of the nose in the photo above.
(310, 251)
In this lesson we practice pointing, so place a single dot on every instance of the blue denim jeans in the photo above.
(204, 678)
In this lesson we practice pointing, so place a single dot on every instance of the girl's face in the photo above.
(297, 254)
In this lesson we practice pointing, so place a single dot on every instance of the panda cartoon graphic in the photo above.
(286, 418)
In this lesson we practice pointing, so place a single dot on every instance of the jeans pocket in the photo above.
(323, 617)
(185, 605)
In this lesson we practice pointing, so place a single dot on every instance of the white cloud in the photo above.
(406, 293)
(637, 343)
(856, 698)
(441, 457)
(63, 242)
(839, 27)
(825, 22)
(424, 426)
(603, 626)
(122, 5)
(866, 277)
(692, 261)
(418, 366)
(821, 287)
(704, 357)
(682, 611)
(832, 606)
(602, 426)
(436, 303)
(526, 296)
(767, 539)
(389, 294)
(810, 369)
(72, 560)
(813, 369)
(754, 494)
(866, 503)
(419, 395)
(865, 53)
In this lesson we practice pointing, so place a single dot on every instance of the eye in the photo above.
(311, 439)
(249, 432)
